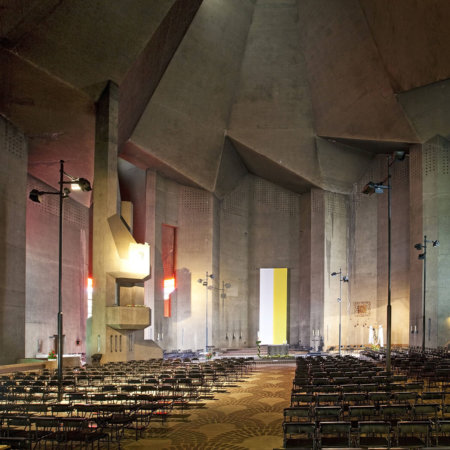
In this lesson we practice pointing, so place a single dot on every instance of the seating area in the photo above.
(349, 402)
(101, 405)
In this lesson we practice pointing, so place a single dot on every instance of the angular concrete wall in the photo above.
(254, 226)
(274, 241)
(436, 225)
(13, 198)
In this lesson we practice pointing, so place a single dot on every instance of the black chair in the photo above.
(78, 430)
(328, 412)
(302, 399)
(413, 434)
(334, 435)
(394, 413)
(374, 434)
(297, 413)
(299, 435)
(423, 411)
(443, 433)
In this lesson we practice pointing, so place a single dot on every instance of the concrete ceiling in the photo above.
(213, 89)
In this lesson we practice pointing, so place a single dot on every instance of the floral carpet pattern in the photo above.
(247, 416)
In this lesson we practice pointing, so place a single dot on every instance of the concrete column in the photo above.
(105, 204)
(416, 236)
(335, 258)
(234, 265)
(304, 302)
(317, 267)
(363, 232)
(150, 237)
(436, 225)
(13, 198)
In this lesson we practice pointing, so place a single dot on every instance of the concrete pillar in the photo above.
(416, 236)
(436, 225)
(335, 258)
(363, 239)
(105, 204)
(234, 265)
(304, 301)
(13, 198)
(317, 267)
(150, 237)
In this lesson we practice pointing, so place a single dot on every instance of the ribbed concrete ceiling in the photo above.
(210, 90)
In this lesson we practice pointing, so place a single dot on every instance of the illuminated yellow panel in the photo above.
(279, 306)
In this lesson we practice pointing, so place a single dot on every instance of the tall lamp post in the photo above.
(423, 256)
(64, 192)
(379, 188)
(205, 282)
(342, 279)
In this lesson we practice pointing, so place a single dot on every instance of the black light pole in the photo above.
(60, 314)
(63, 193)
(389, 307)
(423, 256)
(379, 188)
(205, 283)
(345, 280)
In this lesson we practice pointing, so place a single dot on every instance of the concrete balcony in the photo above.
(128, 317)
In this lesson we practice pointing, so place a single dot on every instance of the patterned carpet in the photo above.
(247, 416)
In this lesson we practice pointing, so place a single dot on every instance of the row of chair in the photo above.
(392, 413)
(368, 434)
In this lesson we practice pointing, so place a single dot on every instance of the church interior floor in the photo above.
(247, 416)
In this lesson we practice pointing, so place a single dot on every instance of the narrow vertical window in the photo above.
(168, 250)
(90, 289)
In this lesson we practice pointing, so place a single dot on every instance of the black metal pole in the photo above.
(340, 307)
(424, 291)
(388, 318)
(60, 316)
(206, 319)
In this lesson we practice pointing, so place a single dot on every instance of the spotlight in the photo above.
(422, 256)
(333, 274)
(345, 279)
(84, 184)
(35, 196)
(374, 188)
(399, 155)
(368, 189)
(436, 243)
(418, 247)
